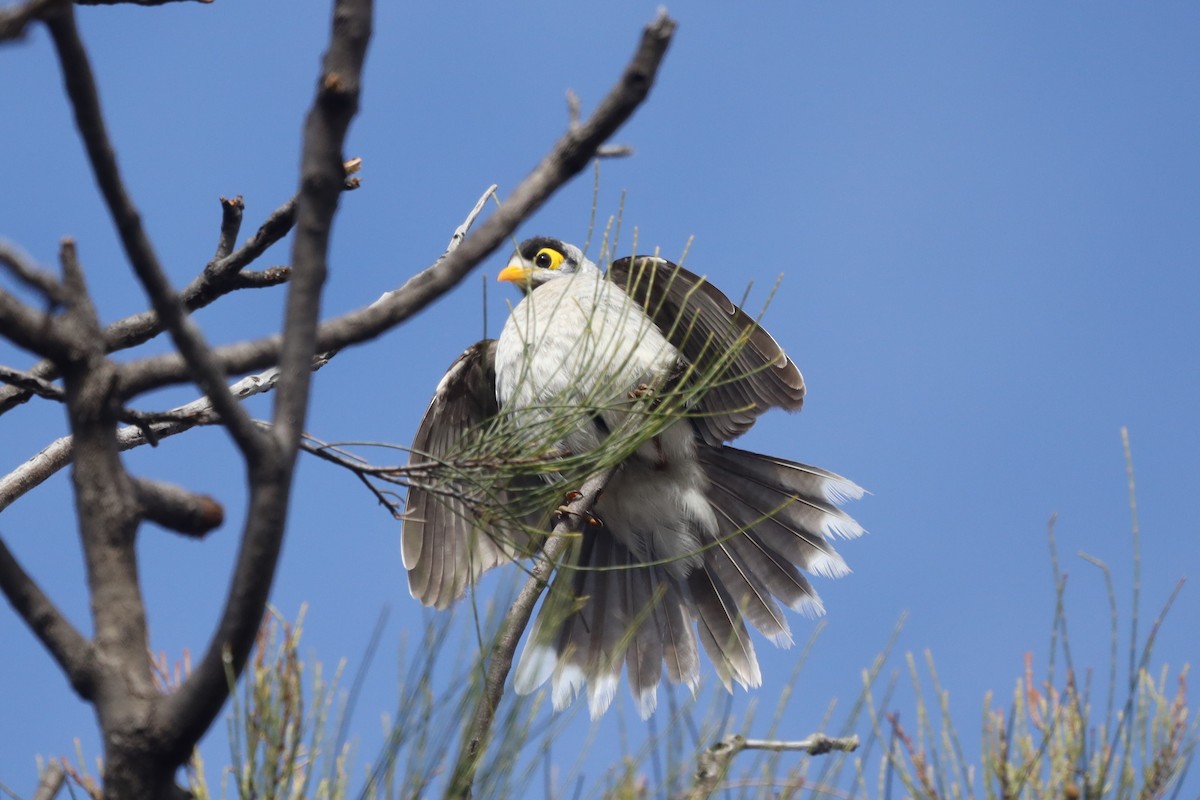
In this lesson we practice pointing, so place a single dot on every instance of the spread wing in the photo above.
(751, 371)
(446, 540)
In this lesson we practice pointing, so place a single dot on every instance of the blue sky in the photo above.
(987, 220)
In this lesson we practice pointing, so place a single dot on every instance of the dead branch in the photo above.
(219, 277)
(178, 509)
(713, 764)
(21, 267)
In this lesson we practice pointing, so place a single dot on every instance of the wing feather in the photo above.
(722, 342)
(444, 547)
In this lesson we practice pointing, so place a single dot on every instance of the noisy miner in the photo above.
(653, 368)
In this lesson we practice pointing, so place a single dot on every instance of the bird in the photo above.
(651, 369)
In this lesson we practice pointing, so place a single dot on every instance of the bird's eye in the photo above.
(548, 258)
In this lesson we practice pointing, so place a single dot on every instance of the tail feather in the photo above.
(778, 575)
(751, 595)
(603, 611)
(644, 658)
(675, 631)
(790, 477)
(569, 674)
(785, 503)
(722, 631)
(608, 608)
(609, 619)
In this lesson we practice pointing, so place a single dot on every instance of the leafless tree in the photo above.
(148, 732)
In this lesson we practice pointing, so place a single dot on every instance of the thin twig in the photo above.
(161, 425)
(231, 224)
(460, 232)
(30, 383)
(713, 764)
(49, 391)
(218, 278)
(21, 267)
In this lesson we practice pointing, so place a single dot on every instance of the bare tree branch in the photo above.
(218, 278)
(22, 268)
(73, 653)
(36, 331)
(106, 509)
(568, 157)
(231, 224)
(186, 714)
(142, 419)
(148, 734)
(476, 735)
(713, 764)
(85, 102)
(321, 179)
(58, 453)
(178, 509)
(162, 425)
(30, 383)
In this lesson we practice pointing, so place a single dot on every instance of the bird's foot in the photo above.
(640, 391)
(565, 511)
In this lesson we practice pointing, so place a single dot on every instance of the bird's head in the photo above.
(543, 259)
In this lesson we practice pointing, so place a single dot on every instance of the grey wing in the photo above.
(447, 540)
(721, 342)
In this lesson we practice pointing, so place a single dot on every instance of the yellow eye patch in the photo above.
(548, 258)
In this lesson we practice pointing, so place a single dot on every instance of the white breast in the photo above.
(574, 350)
(578, 341)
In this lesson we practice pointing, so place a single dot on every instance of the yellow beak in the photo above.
(515, 272)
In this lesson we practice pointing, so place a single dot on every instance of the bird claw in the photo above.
(640, 391)
(565, 511)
